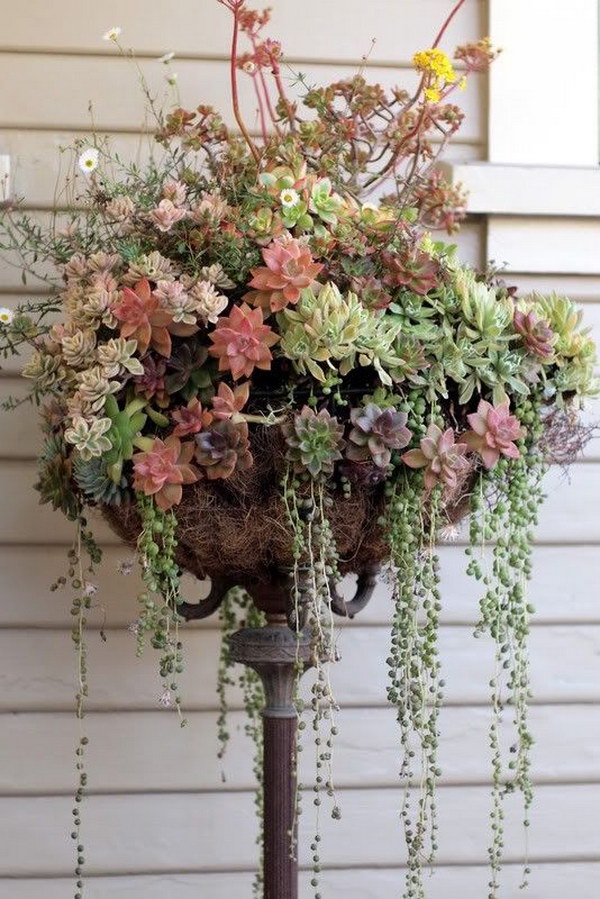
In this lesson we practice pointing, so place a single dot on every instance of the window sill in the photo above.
(528, 190)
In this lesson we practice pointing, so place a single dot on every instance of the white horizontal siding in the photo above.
(566, 516)
(37, 747)
(71, 84)
(564, 589)
(154, 833)
(37, 672)
(198, 29)
(548, 881)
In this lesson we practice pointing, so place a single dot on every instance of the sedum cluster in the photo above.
(235, 284)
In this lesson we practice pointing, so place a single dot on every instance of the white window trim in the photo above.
(543, 105)
(518, 190)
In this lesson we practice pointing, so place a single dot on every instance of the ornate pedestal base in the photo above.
(278, 655)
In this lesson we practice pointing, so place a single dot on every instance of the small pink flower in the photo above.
(191, 418)
(175, 191)
(211, 208)
(166, 215)
(241, 342)
(289, 269)
(493, 431)
(161, 471)
(440, 456)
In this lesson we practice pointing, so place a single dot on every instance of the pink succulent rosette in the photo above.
(493, 433)
(227, 402)
(141, 316)
(241, 342)
(161, 471)
(191, 419)
(440, 456)
(289, 269)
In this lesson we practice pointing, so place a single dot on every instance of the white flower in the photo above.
(88, 160)
(125, 567)
(449, 533)
(166, 59)
(112, 34)
(288, 197)
(6, 315)
(249, 67)
(171, 78)
(166, 699)
(89, 589)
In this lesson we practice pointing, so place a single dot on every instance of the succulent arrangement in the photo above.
(239, 325)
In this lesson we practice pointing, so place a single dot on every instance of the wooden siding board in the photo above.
(37, 750)
(38, 668)
(567, 516)
(550, 881)
(72, 83)
(205, 28)
(184, 832)
(563, 590)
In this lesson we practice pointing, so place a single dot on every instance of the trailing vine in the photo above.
(515, 490)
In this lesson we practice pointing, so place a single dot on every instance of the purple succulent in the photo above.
(376, 433)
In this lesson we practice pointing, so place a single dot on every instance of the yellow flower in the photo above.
(462, 83)
(438, 70)
(432, 94)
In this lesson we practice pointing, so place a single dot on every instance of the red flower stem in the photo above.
(442, 30)
(280, 90)
(267, 97)
(265, 89)
(234, 87)
(261, 109)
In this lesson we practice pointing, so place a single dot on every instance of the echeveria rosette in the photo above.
(289, 269)
(315, 442)
(494, 432)
(442, 458)
(537, 335)
(223, 449)
(336, 329)
(375, 434)
(142, 317)
(191, 419)
(163, 469)
(89, 437)
(416, 271)
(241, 342)
(228, 403)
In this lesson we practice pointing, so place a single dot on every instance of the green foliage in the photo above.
(124, 434)
(54, 478)
(92, 478)
(314, 441)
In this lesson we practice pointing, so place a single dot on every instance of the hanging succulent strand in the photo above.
(505, 611)
(416, 688)
(82, 601)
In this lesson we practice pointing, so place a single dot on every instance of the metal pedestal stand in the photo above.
(278, 653)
